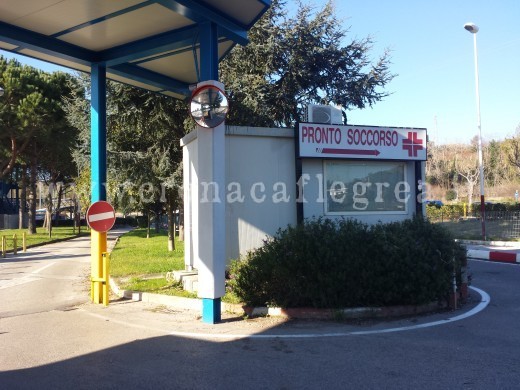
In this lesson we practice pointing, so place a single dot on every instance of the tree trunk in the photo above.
(48, 214)
(148, 224)
(181, 225)
(31, 226)
(470, 193)
(58, 201)
(157, 222)
(76, 217)
(22, 211)
(171, 224)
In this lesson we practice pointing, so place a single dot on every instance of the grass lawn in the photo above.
(471, 229)
(141, 264)
(41, 237)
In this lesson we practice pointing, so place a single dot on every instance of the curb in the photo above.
(346, 314)
(169, 300)
(502, 257)
(295, 313)
(54, 241)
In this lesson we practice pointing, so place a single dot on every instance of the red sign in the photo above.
(101, 216)
(361, 142)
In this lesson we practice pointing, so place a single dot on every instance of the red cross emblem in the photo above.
(412, 144)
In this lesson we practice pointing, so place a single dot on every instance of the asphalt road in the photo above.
(52, 338)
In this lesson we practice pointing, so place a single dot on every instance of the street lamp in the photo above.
(473, 29)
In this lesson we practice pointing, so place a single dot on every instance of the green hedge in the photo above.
(496, 207)
(455, 211)
(328, 264)
(445, 212)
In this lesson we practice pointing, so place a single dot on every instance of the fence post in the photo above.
(453, 293)
(15, 245)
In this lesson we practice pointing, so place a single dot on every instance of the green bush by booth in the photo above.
(327, 264)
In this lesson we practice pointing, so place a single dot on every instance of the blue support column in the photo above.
(98, 133)
(208, 51)
(211, 310)
(98, 169)
(211, 216)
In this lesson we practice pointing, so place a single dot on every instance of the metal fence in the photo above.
(500, 225)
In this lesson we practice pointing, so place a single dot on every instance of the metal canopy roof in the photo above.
(151, 44)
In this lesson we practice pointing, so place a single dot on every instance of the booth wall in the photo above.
(261, 162)
(259, 166)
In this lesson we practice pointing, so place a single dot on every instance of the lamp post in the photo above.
(473, 29)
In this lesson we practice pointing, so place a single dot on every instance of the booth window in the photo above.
(365, 187)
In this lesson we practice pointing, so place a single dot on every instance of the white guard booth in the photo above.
(277, 177)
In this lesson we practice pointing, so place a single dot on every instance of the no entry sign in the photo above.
(101, 216)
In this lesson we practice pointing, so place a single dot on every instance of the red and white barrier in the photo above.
(503, 257)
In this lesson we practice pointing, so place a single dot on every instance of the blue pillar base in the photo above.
(210, 310)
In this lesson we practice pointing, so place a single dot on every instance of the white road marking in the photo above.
(42, 268)
(27, 278)
(485, 299)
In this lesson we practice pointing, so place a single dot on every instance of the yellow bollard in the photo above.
(4, 246)
(464, 210)
(15, 245)
(101, 284)
(98, 246)
(106, 262)
(24, 242)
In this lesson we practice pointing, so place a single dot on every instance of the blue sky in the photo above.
(433, 57)
(432, 54)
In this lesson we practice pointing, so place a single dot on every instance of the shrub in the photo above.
(451, 195)
(327, 264)
(445, 212)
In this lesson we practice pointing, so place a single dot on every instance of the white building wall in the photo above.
(260, 189)
(261, 161)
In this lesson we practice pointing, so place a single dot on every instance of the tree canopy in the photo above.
(35, 133)
(295, 60)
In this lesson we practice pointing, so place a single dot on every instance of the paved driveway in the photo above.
(56, 339)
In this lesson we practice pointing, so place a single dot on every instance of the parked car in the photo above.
(436, 203)
(40, 214)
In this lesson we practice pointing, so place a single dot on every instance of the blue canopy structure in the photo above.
(152, 44)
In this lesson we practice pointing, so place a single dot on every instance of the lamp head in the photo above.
(471, 27)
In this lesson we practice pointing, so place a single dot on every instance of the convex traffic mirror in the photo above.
(209, 106)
